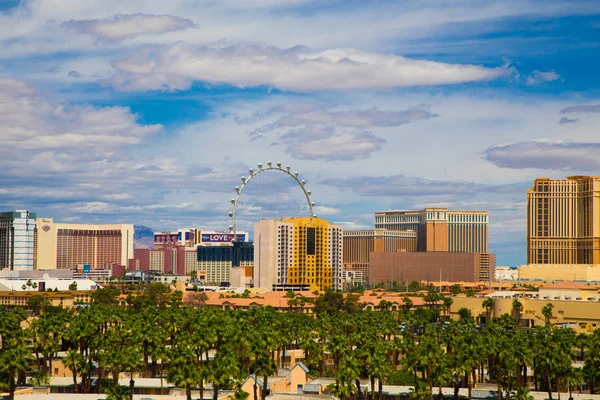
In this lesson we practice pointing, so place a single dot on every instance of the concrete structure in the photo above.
(218, 261)
(290, 380)
(569, 290)
(297, 253)
(503, 273)
(42, 285)
(563, 221)
(241, 277)
(63, 298)
(559, 272)
(582, 315)
(164, 260)
(63, 246)
(440, 229)
(17, 235)
(430, 266)
(182, 237)
(360, 243)
(37, 274)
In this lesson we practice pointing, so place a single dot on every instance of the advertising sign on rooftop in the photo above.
(222, 237)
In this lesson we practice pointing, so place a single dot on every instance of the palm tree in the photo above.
(14, 361)
(488, 304)
(447, 304)
(39, 378)
(184, 373)
(222, 369)
(73, 361)
(573, 379)
(517, 308)
(547, 312)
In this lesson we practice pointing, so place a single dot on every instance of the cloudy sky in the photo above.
(148, 112)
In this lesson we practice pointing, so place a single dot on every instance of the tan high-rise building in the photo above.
(360, 243)
(297, 253)
(563, 221)
(440, 229)
(63, 246)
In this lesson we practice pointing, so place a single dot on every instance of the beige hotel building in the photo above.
(63, 246)
(359, 244)
(563, 229)
(422, 245)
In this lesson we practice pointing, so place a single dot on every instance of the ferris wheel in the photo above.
(282, 172)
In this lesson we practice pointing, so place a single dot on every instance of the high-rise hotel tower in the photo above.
(297, 254)
(563, 221)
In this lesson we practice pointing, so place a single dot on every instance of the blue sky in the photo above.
(148, 112)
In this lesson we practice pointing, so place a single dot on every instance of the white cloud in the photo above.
(176, 67)
(537, 77)
(546, 154)
(32, 123)
(330, 143)
(301, 114)
(121, 26)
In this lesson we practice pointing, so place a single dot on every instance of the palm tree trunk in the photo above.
(75, 381)
(360, 394)
(499, 393)
(549, 386)
(188, 392)
(12, 387)
(99, 385)
(469, 387)
(131, 386)
(215, 392)
(255, 389)
(570, 392)
(372, 388)
(535, 376)
(201, 389)
(380, 384)
(264, 388)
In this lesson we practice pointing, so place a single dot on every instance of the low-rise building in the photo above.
(504, 273)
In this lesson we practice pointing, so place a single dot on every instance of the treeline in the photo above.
(159, 336)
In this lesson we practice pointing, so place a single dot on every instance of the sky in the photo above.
(149, 112)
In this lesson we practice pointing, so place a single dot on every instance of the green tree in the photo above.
(14, 360)
(547, 312)
(517, 309)
(455, 289)
(39, 378)
(37, 303)
(465, 314)
(488, 304)
(73, 361)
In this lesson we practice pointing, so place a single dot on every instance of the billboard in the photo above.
(222, 237)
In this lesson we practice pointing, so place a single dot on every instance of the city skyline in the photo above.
(148, 113)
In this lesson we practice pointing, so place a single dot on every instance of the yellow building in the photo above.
(63, 246)
(297, 253)
(583, 315)
(563, 221)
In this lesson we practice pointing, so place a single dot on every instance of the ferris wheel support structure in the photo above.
(269, 167)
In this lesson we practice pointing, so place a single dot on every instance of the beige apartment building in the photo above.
(563, 221)
(63, 246)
